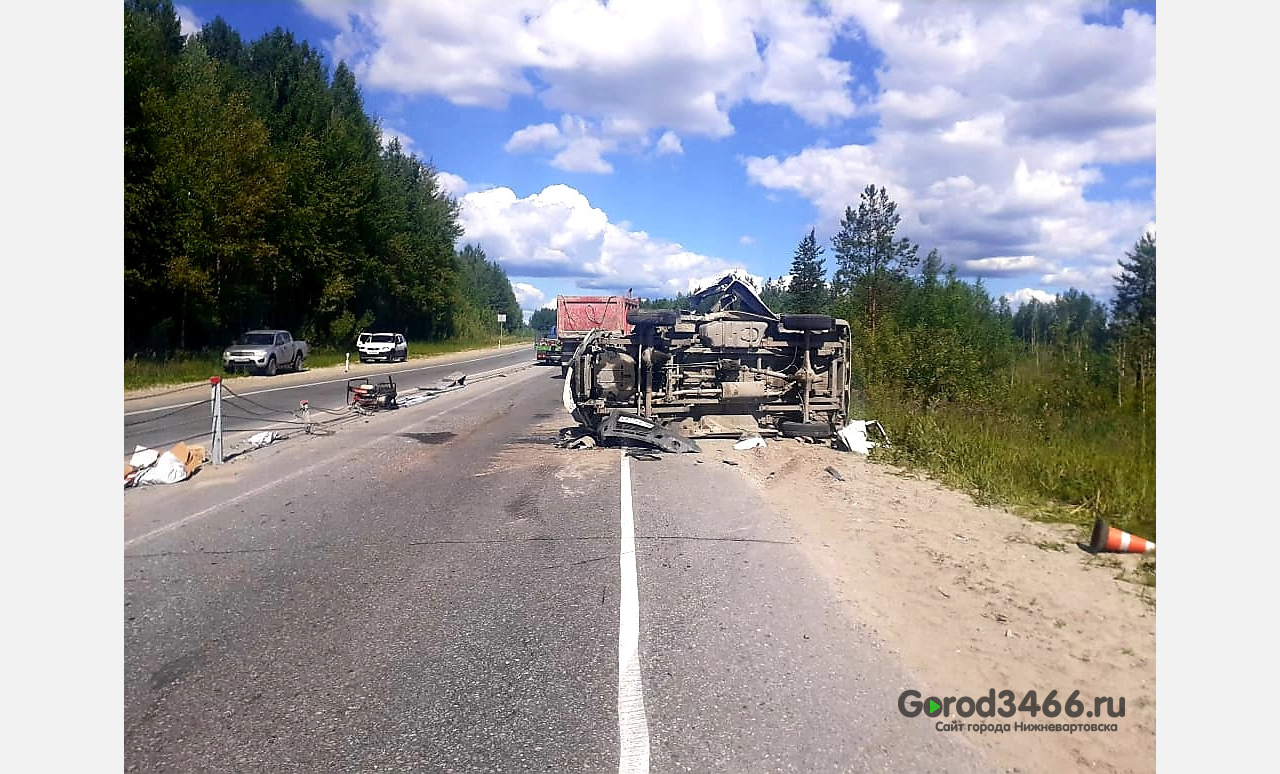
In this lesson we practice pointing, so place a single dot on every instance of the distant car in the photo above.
(389, 347)
(265, 352)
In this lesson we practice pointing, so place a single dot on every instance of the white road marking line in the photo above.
(257, 490)
(633, 727)
(330, 381)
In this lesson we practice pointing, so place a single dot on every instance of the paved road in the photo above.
(441, 589)
(265, 402)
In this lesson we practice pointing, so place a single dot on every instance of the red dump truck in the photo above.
(576, 316)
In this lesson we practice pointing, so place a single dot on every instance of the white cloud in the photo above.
(452, 184)
(669, 143)
(189, 23)
(993, 121)
(578, 142)
(1004, 265)
(406, 142)
(628, 63)
(1019, 297)
(746, 240)
(533, 136)
(558, 233)
(528, 296)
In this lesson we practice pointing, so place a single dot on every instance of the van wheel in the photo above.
(791, 429)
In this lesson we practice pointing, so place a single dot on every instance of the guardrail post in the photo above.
(216, 454)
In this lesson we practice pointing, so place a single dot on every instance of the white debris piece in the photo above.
(143, 457)
(262, 439)
(566, 395)
(854, 437)
(167, 469)
(750, 442)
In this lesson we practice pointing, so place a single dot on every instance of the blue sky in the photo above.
(657, 146)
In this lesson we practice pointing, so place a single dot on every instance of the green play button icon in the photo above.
(934, 708)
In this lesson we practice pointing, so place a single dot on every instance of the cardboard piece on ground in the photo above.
(191, 457)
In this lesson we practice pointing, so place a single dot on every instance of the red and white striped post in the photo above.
(216, 454)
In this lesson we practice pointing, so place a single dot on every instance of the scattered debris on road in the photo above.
(835, 473)
(454, 381)
(624, 426)
(750, 442)
(147, 466)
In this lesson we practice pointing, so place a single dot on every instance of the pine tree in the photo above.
(1133, 313)
(870, 261)
(808, 289)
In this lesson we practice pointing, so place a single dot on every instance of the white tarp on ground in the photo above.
(262, 439)
(148, 466)
(157, 468)
(854, 436)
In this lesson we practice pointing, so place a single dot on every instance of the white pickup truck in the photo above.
(265, 352)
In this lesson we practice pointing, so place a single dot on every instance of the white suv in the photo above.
(382, 346)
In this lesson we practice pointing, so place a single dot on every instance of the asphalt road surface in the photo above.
(440, 588)
(266, 402)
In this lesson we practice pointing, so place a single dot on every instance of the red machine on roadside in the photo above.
(372, 396)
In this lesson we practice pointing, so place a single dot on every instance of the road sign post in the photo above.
(502, 318)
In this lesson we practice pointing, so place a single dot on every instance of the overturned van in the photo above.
(728, 364)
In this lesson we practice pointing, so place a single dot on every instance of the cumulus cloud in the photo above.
(746, 240)
(578, 143)
(993, 120)
(529, 297)
(649, 66)
(452, 184)
(1019, 297)
(669, 143)
(556, 232)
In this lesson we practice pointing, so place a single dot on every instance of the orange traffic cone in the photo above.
(1117, 541)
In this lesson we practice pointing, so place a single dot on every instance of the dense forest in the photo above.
(259, 193)
(1053, 401)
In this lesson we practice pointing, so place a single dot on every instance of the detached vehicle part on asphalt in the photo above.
(265, 352)
(390, 347)
(729, 362)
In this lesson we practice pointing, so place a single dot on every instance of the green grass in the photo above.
(189, 367)
(1049, 469)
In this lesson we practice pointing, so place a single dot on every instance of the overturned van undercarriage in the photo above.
(727, 365)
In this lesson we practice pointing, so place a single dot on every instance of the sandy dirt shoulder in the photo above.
(975, 598)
